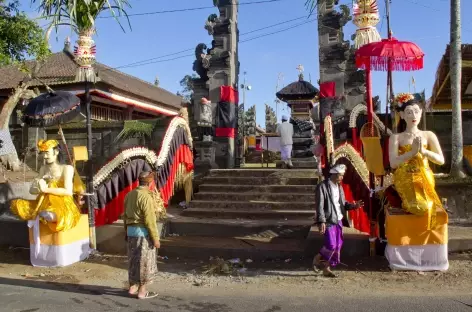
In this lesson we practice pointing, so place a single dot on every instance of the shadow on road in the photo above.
(71, 287)
(99, 296)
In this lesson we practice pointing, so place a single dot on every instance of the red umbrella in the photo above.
(387, 55)
(390, 55)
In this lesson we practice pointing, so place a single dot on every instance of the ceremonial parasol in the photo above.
(387, 55)
(51, 108)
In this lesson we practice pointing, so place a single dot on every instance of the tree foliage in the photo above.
(311, 5)
(20, 37)
(81, 14)
(187, 87)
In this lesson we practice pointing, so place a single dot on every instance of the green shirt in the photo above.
(140, 210)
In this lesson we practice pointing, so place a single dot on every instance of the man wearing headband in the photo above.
(331, 207)
(142, 235)
(285, 131)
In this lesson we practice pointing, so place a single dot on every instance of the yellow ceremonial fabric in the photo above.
(404, 229)
(468, 153)
(251, 141)
(414, 182)
(373, 155)
(67, 212)
(47, 237)
(78, 186)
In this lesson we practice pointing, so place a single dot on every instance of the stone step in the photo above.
(249, 213)
(253, 205)
(260, 249)
(227, 180)
(300, 164)
(298, 189)
(188, 226)
(305, 164)
(203, 248)
(264, 173)
(254, 196)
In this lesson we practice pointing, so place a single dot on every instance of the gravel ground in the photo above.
(363, 276)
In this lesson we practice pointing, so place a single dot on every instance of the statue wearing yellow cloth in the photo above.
(410, 152)
(55, 187)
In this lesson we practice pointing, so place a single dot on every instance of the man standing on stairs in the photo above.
(331, 206)
(285, 131)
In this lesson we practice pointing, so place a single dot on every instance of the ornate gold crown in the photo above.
(402, 98)
(44, 145)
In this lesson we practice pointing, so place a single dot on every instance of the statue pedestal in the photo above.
(59, 249)
(205, 160)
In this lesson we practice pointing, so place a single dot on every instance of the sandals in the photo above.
(319, 265)
(329, 274)
(149, 295)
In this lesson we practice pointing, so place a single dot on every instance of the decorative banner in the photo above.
(227, 120)
(327, 89)
(366, 17)
(227, 112)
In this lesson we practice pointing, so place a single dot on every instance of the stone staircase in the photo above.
(261, 214)
(302, 163)
(264, 213)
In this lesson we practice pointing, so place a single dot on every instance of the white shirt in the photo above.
(336, 194)
(285, 130)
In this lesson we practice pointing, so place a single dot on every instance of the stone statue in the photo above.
(55, 187)
(206, 119)
(201, 64)
(210, 23)
(417, 239)
(337, 20)
(410, 152)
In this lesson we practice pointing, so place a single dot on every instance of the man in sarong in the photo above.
(142, 236)
(331, 207)
(285, 131)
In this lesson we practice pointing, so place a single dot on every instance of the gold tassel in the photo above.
(188, 187)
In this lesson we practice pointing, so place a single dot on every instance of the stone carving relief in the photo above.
(335, 19)
(210, 23)
(202, 62)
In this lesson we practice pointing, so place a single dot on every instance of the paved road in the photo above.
(37, 296)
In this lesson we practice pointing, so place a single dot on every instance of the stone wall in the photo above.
(441, 124)
(458, 195)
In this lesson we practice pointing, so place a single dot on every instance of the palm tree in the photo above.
(457, 153)
(311, 5)
(80, 15)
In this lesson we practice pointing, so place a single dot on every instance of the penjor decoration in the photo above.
(366, 17)
(84, 53)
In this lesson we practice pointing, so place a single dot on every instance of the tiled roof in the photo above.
(442, 86)
(60, 68)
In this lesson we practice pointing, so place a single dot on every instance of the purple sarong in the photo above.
(331, 250)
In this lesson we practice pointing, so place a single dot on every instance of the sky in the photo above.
(153, 36)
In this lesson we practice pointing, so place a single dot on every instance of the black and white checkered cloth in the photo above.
(7, 146)
(302, 125)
